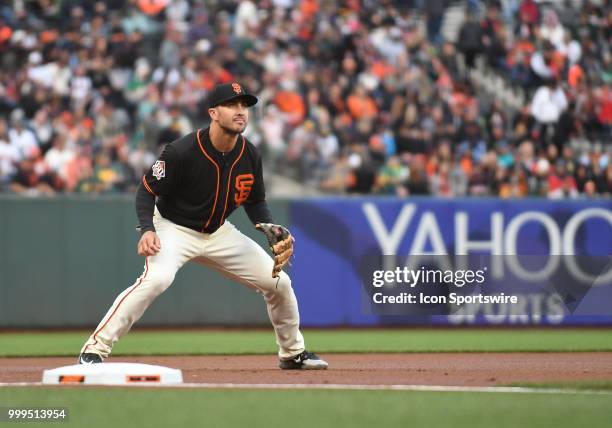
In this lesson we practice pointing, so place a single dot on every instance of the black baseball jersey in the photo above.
(198, 187)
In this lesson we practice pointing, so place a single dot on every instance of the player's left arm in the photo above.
(256, 206)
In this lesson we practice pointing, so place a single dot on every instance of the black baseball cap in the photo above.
(228, 92)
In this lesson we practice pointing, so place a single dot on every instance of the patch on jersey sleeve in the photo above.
(159, 169)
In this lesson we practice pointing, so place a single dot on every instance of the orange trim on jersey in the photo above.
(147, 186)
(144, 275)
(229, 179)
(218, 180)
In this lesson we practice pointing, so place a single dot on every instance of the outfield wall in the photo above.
(63, 260)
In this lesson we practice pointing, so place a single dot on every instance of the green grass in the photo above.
(122, 407)
(591, 385)
(328, 341)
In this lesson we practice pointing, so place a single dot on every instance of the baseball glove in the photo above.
(281, 244)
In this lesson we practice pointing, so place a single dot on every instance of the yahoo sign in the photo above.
(335, 238)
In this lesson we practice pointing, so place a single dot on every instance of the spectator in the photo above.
(361, 177)
(548, 104)
(493, 35)
(43, 129)
(606, 188)
(59, 157)
(552, 30)
(291, 103)
(519, 58)
(529, 12)
(543, 66)
(246, 18)
(29, 182)
(177, 11)
(360, 105)
(434, 13)
(470, 39)
(21, 138)
(9, 155)
(106, 176)
(302, 154)
(417, 182)
(327, 147)
(347, 91)
(561, 184)
(392, 177)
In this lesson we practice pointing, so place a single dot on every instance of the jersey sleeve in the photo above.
(258, 192)
(255, 206)
(161, 178)
(145, 205)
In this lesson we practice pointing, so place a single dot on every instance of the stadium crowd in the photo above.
(356, 96)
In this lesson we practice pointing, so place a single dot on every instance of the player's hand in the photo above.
(149, 244)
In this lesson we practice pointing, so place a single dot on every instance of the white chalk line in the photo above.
(341, 387)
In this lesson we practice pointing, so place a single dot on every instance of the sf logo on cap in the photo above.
(236, 87)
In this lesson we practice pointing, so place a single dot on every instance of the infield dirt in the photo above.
(461, 369)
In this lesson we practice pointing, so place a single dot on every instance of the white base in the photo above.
(112, 374)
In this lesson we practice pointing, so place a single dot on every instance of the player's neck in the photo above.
(221, 140)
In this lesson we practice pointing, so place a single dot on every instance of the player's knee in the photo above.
(160, 281)
(284, 281)
(282, 284)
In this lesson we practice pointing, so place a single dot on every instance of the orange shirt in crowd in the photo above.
(432, 166)
(48, 36)
(209, 79)
(505, 191)
(524, 47)
(361, 107)
(309, 9)
(5, 34)
(557, 63)
(381, 69)
(291, 102)
(467, 165)
(575, 75)
(152, 7)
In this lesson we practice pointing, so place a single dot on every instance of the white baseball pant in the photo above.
(226, 250)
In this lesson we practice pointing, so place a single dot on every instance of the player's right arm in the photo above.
(158, 181)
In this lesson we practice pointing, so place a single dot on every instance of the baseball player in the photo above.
(183, 203)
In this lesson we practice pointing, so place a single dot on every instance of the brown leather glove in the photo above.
(281, 244)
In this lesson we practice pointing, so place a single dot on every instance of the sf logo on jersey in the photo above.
(159, 169)
(244, 183)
